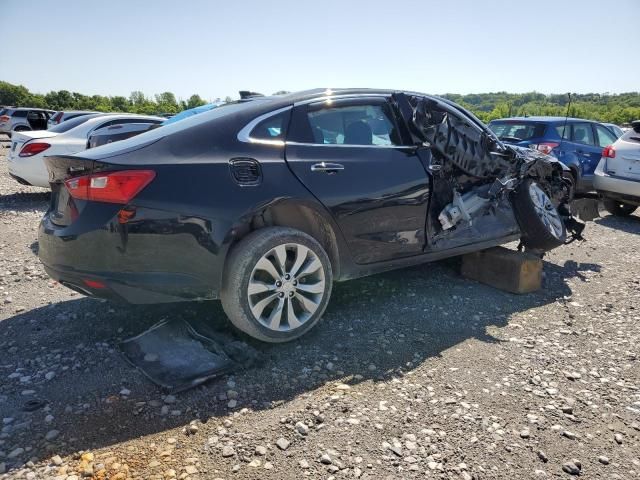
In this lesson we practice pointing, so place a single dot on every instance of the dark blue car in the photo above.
(575, 142)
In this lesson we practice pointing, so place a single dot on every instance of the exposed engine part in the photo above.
(463, 207)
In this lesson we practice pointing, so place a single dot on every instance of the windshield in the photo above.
(74, 122)
(517, 131)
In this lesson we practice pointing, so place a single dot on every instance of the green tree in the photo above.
(194, 101)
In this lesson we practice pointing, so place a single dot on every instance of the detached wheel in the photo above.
(276, 284)
(618, 209)
(541, 224)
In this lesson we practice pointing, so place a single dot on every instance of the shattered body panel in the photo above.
(474, 174)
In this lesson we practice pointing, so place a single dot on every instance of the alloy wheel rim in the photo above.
(286, 287)
(546, 211)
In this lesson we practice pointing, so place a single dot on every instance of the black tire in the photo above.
(619, 209)
(536, 234)
(239, 269)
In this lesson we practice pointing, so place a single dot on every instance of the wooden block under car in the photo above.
(509, 270)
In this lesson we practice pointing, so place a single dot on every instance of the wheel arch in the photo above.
(302, 215)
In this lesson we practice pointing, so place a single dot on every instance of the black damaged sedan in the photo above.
(264, 203)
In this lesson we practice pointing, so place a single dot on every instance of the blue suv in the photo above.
(575, 142)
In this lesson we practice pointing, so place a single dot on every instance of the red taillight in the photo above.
(31, 149)
(546, 147)
(94, 284)
(5, 118)
(110, 187)
(609, 152)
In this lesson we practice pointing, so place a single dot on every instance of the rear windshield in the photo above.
(631, 136)
(74, 122)
(517, 131)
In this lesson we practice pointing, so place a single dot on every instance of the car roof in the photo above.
(32, 108)
(543, 119)
(79, 111)
(121, 116)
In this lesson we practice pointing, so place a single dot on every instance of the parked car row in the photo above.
(82, 131)
(576, 142)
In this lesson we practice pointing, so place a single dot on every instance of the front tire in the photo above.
(541, 225)
(619, 209)
(276, 284)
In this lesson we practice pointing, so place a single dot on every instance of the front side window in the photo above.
(582, 133)
(605, 137)
(352, 125)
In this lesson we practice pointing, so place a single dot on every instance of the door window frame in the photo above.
(301, 110)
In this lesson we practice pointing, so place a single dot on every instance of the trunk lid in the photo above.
(626, 162)
(18, 139)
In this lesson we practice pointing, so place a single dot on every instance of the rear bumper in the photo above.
(29, 169)
(157, 258)
(615, 187)
(136, 288)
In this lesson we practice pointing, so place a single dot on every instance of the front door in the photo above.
(350, 156)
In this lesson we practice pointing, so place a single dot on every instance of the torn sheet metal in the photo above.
(173, 355)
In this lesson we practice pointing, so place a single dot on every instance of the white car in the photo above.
(617, 177)
(28, 149)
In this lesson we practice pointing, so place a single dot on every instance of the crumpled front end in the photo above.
(475, 175)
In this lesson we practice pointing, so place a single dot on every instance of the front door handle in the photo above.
(327, 167)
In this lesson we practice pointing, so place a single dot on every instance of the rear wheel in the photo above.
(541, 224)
(619, 209)
(277, 284)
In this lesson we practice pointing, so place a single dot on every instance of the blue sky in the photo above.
(217, 48)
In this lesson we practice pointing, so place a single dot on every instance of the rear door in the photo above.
(349, 155)
(587, 150)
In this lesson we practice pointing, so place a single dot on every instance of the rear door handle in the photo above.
(327, 167)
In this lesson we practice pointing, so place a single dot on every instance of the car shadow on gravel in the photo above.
(26, 201)
(375, 329)
(630, 224)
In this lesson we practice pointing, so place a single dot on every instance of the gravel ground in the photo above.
(416, 373)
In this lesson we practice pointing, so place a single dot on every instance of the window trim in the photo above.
(244, 135)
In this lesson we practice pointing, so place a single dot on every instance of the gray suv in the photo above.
(21, 119)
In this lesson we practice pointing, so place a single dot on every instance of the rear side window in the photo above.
(631, 136)
(20, 114)
(517, 131)
(582, 133)
(272, 128)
